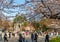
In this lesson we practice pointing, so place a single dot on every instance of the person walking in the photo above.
(47, 38)
(9, 34)
(5, 38)
(32, 37)
(36, 36)
(23, 37)
(20, 38)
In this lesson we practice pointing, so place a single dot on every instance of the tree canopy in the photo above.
(33, 8)
(19, 19)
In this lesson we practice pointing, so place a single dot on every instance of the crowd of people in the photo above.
(34, 37)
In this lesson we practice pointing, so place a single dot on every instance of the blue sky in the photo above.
(20, 1)
(16, 2)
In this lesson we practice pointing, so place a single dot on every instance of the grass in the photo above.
(57, 39)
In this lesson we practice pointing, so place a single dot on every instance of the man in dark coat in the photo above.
(20, 38)
(47, 38)
(32, 37)
(36, 36)
(5, 37)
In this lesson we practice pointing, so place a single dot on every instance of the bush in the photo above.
(57, 39)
